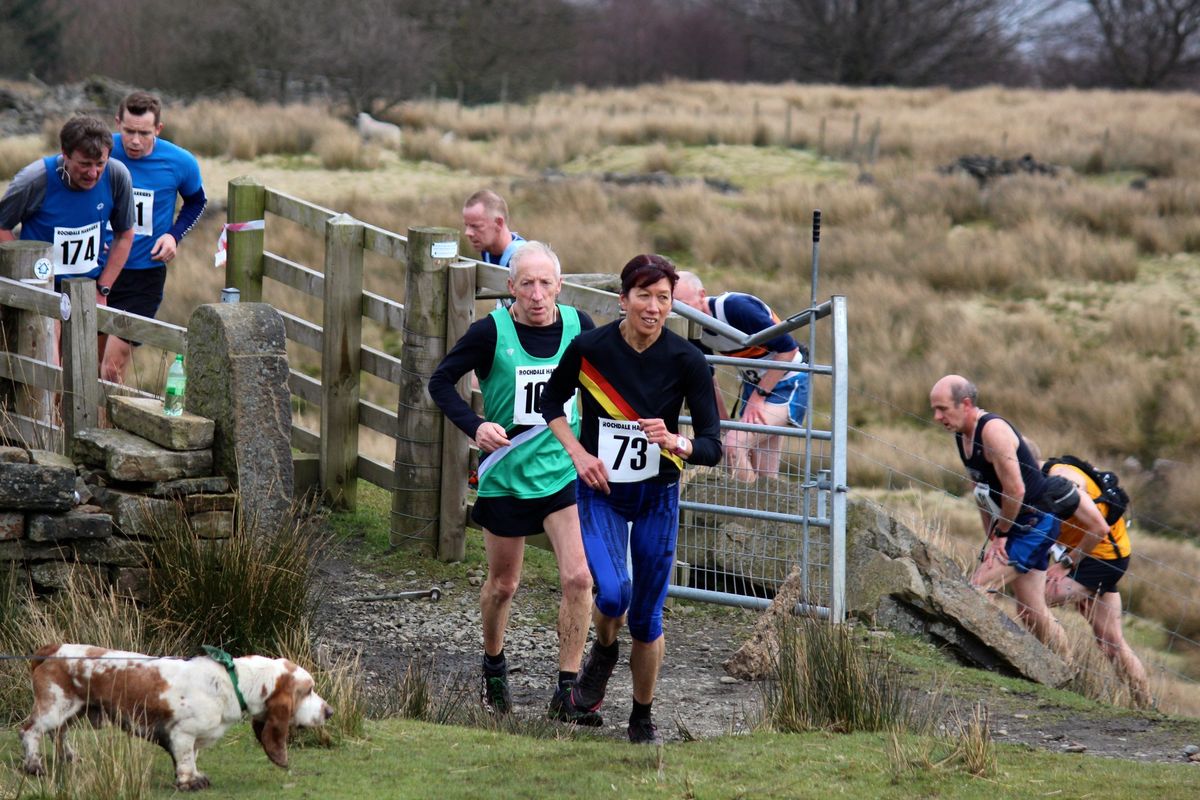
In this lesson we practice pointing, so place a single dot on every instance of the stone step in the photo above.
(72, 525)
(143, 416)
(32, 487)
(128, 457)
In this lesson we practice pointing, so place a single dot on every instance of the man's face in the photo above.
(535, 287)
(83, 171)
(138, 133)
(689, 295)
(950, 415)
(482, 229)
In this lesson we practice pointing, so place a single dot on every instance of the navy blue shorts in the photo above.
(516, 516)
(1031, 548)
(1099, 575)
(138, 291)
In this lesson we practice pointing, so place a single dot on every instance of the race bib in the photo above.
(626, 452)
(76, 250)
(143, 212)
(983, 497)
(530, 382)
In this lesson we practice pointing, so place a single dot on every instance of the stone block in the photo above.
(14, 455)
(306, 469)
(212, 524)
(201, 503)
(61, 574)
(114, 551)
(140, 516)
(36, 488)
(144, 417)
(131, 581)
(238, 377)
(12, 525)
(214, 484)
(49, 458)
(127, 457)
(72, 525)
(24, 550)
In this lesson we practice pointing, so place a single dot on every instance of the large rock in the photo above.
(139, 516)
(756, 659)
(238, 377)
(72, 525)
(144, 416)
(127, 457)
(895, 579)
(36, 488)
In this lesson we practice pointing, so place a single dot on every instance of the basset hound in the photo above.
(182, 705)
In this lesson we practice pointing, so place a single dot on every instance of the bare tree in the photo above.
(905, 42)
(1148, 42)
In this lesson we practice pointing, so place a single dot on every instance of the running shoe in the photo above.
(643, 731)
(588, 692)
(563, 710)
(495, 694)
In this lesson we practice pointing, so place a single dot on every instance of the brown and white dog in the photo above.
(181, 705)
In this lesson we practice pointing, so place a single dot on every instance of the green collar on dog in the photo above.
(225, 660)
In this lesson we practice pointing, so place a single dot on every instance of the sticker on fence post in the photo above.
(444, 249)
(43, 268)
(64, 306)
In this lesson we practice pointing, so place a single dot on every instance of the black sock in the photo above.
(609, 650)
(494, 665)
(565, 678)
(640, 711)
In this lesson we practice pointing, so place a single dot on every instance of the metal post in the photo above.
(837, 515)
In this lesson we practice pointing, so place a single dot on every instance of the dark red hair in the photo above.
(646, 270)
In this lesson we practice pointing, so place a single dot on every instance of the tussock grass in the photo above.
(827, 679)
(339, 680)
(17, 152)
(245, 130)
(345, 150)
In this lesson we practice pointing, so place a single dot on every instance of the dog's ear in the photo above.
(272, 728)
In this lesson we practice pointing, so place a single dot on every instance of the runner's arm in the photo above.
(474, 351)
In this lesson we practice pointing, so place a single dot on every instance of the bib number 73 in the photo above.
(626, 452)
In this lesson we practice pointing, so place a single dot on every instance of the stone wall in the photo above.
(148, 475)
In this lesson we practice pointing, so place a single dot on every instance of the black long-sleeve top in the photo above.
(476, 351)
(618, 382)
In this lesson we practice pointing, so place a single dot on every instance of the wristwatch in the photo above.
(103, 290)
(761, 392)
(680, 448)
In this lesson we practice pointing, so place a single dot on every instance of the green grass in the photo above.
(408, 759)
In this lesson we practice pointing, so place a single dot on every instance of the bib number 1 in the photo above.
(626, 452)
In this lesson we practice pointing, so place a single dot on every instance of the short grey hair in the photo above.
(962, 390)
(527, 249)
(691, 279)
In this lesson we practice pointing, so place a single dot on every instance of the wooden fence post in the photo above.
(80, 363)
(341, 360)
(415, 499)
(28, 333)
(456, 448)
(244, 249)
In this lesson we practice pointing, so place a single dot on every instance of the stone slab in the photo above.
(12, 525)
(201, 503)
(213, 484)
(212, 524)
(114, 551)
(131, 581)
(60, 574)
(49, 458)
(24, 550)
(144, 417)
(14, 455)
(127, 457)
(36, 488)
(139, 516)
(72, 525)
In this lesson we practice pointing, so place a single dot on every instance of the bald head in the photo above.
(954, 400)
(690, 291)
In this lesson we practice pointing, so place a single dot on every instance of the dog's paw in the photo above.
(197, 783)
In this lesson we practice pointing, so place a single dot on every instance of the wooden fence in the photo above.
(427, 478)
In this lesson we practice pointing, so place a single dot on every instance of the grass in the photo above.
(402, 758)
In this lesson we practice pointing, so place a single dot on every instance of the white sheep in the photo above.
(371, 129)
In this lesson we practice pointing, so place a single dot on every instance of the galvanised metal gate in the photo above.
(739, 540)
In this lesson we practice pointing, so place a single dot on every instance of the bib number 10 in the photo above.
(530, 383)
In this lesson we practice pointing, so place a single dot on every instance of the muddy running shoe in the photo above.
(495, 694)
(588, 692)
(643, 731)
(563, 710)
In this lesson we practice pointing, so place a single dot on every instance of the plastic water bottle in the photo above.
(176, 387)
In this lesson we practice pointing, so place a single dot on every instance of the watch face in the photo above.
(104, 290)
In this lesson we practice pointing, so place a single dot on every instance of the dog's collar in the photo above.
(225, 660)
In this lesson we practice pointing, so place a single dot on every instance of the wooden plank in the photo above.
(244, 252)
(452, 530)
(596, 302)
(301, 331)
(341, 360)
(306, 388)
(385, 242)
(376, 472)
(292, 274)
(377, 418)
(304, 440)
(163, 335)
(303, 213)
(33, 433)
(27, 297)
(381, 365)
(31, 372)
(29, 333)
(81, 390)
(384, 311)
